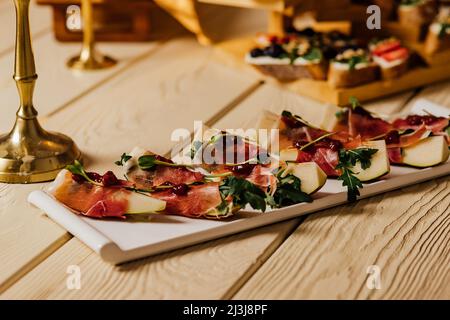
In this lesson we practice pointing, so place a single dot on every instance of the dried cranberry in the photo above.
(285, 40)
(257, 52)
(273, 39)
(180, 189)
(429, 120)
(414, 120)
(243, 169)
(77, 178)
(392, 137)
(109, 179)
(94, 176)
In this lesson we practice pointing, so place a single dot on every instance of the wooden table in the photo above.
(160, 86)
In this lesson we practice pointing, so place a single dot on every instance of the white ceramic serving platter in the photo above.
(120, 241)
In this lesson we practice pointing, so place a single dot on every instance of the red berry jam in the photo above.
(243, 169)
(94, 176)
(414, 120)
(180, 189)
(392, 137)
(109, 179)
(77, 178)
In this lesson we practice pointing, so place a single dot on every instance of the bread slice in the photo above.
(339, 77)
(392, 70)
(292, 72)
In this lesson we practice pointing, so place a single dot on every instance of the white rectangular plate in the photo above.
(120, 241)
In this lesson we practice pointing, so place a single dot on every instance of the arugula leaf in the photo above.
(243, 192)
(123, 158)
(77, 168)
(288, 192)
(347, 160)
(447, 130)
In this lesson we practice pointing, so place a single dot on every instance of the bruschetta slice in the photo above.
(352, 67)
(391, 56)
(289, 59)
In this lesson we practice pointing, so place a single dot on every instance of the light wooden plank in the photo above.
(204, 271)
(405, 233)
(185, 270)
(40, 23)
(57, 85)
(141, 106)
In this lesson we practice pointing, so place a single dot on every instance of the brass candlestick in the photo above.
(29, 153)
(89, 58)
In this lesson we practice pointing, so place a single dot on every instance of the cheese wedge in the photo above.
(311, 176)
(427, 152)
(379, 163)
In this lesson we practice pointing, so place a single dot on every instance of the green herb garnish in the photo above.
(148, 162)
(243, 192)
(77, 168)
(347, 160)
(123, 158)
(288, 192)
(354, 102)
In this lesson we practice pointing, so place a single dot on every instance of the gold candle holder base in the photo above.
(89, 58)
(78, 63)
(29, 153)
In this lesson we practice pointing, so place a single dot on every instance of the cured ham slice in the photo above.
(359, 122)
(199, 201)
(163, 175)
(98, 201)
(436, 125)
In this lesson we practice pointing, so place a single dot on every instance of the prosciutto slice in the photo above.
(163, 175)
(200, 201)
(88, 199)
(362, 123)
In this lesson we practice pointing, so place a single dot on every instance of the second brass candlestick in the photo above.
(89, 58)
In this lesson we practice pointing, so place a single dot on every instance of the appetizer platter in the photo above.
(151, 204)
(331, 66)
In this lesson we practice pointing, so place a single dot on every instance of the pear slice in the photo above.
(427, 152)
(289, 154)
(310, 174)
(379, 164)
(142, 204)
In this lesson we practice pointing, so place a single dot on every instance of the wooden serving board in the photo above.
(233, 52)
(120, 241)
